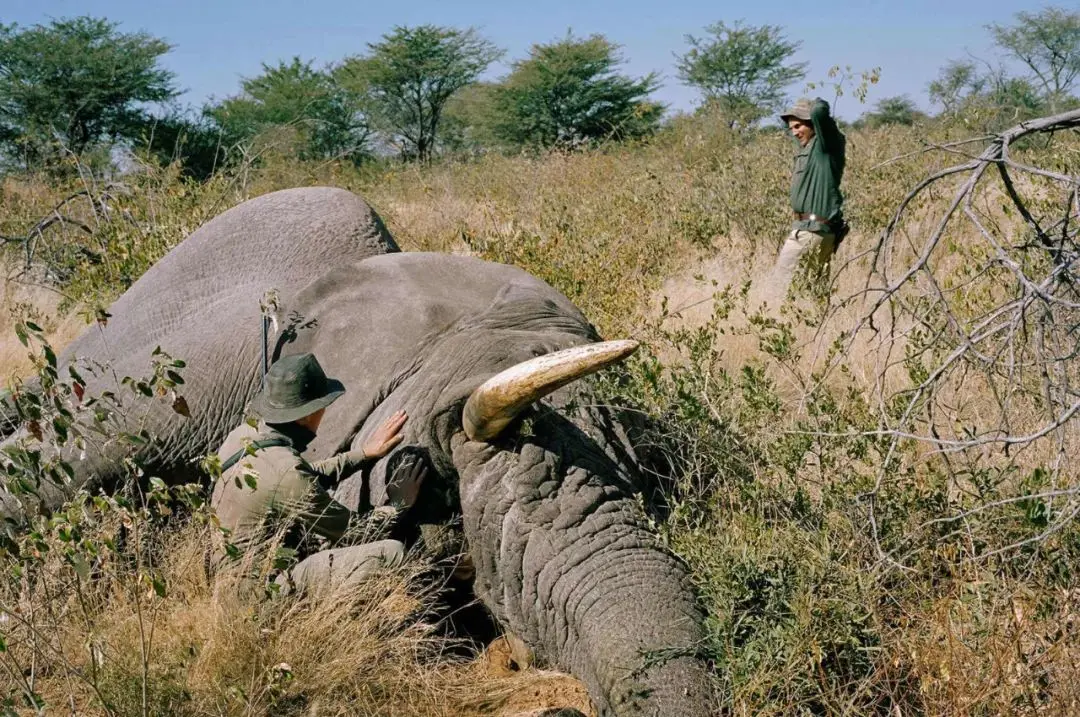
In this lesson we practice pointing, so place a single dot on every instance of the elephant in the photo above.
(488, 361)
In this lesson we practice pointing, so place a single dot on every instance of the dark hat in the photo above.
(800, 110)
(294, 387)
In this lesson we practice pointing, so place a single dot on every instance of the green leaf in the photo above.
(60, 426)
(133, 438)
(284, 558)
(82, 569)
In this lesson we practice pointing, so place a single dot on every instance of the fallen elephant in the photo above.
(562, 553)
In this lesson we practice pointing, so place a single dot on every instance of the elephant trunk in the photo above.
(566, 562)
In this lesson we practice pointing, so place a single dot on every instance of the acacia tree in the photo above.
(76, 82)
(190, 138)
(568, 92)
(330, 121)
(983, 330)
(1048, 44)
(742, 69)
(990, 100)
(410, 75)
(899, 110)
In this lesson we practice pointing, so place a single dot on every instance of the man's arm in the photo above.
(825, 128)
(336, 468)
(381, 442)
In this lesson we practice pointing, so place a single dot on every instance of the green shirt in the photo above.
(819, 167)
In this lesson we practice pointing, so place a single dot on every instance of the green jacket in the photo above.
(275, 488)
(819, 168)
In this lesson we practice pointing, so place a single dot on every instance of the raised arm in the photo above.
(825, 128)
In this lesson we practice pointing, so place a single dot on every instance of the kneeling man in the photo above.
(266, 487)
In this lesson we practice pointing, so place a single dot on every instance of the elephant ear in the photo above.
(496, 402)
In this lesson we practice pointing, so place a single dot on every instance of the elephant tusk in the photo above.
(498, 400)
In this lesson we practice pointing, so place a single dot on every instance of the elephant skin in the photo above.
(563, 555)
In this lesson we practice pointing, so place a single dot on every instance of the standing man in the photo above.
(818, 224)
(266, 487)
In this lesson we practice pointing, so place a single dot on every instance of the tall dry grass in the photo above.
(205, 642)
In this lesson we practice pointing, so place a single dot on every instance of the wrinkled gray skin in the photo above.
(563, 556)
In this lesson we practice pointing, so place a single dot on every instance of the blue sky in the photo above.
(217, 43)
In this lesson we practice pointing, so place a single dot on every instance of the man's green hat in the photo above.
(294, 387)
(800, 110)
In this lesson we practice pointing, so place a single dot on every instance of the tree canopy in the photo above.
(328, 120)
(569, 92)
(1048, 44)
(899, 110)
(410, 75)
(742, 69)
(988, 99)
(74, 83)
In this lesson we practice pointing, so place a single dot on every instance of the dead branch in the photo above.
(989, 324)
(100, 209)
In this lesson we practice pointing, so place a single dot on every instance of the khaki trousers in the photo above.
(816, 248)
(341, 567)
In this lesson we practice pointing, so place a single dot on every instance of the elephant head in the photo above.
(485, 359)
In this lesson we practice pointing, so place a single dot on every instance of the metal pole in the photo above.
(267, 306)
(265, 332)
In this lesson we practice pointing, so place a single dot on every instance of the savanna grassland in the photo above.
(847, 565)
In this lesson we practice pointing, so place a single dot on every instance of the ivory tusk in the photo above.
(498, 400)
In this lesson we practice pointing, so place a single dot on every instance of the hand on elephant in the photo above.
(385, 436)
(404, 486)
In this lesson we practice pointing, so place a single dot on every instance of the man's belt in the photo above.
(804, 217)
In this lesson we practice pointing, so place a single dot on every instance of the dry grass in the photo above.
(214, 647)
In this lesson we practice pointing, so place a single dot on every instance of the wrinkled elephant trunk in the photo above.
(565, 560)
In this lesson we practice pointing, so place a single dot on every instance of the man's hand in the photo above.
(404, 486)
(385, 436)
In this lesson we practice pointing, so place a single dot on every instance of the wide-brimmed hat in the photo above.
(294, 387)
(800, 110)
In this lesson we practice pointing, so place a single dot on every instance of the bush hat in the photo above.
(800, 110)
(294, 387)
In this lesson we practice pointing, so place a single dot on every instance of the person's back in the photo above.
(271, 489)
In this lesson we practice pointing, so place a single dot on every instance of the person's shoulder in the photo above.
(236, 438)
(264, 450)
